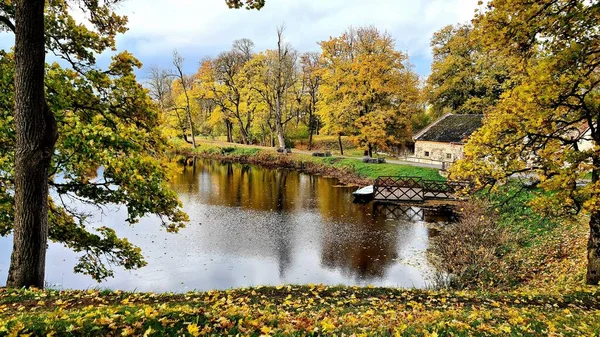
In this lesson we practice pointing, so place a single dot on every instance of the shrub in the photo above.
(472, 251)
(326, 143)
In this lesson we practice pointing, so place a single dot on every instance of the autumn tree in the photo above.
(185, 83)
(68, 122)
(311, 79)
(161, 88)
(369, 90)
(223, 81)
(465, 78)
(273, 75)
(160, 85)
(541, 126)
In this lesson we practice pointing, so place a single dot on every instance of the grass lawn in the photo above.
(373, 171)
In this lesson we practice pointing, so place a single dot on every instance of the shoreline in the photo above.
(348, 171)
(345, 176)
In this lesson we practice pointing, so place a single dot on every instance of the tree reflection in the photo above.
(355, 239)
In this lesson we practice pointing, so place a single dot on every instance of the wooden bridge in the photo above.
(414, 189)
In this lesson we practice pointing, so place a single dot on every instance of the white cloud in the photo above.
(207, 27)
(200, 28)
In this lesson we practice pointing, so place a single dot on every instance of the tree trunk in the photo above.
(229, 127)
(311, 128)
(243, 132)
(370, 150)
(593, 267)
(280, 136)
(340, 143)
(36, 134)
(189, 117)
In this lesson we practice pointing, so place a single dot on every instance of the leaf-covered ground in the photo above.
(300, 310)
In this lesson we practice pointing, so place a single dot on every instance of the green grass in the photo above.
(372, 171)
(516, 215)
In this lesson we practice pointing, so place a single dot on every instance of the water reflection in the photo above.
(252, 226)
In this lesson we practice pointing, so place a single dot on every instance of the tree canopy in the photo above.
(369, 90)
(465, 78)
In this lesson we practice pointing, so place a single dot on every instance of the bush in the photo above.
(472, 250)
(297, 132)
(326, 143)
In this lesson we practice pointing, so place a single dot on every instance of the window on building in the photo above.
(448, 155)
(426, 153)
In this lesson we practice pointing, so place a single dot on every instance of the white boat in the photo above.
(365, 191)
(363, 195)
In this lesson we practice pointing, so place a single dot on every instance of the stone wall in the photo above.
(437, 151)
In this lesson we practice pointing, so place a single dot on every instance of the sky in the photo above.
(204, 28)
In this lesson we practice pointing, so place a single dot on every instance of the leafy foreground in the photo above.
(299, 310)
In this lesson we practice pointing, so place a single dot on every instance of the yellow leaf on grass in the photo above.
(193, 330)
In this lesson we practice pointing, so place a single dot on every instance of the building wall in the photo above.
(438, 151)
(586, 143)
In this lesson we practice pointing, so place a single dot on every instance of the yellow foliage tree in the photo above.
(547, 125)
(369, 90)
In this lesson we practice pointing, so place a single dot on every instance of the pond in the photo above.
(254, 226)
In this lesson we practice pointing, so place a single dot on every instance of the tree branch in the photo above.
(6, 21)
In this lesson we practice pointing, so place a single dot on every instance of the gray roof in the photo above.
(451, 129)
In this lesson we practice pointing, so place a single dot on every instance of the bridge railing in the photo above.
(414, 189)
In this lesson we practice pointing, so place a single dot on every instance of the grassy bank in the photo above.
(347, 170)
(546, 252)
(501, 242)
(298, 311)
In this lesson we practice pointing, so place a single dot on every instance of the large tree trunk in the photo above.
(243, 132)
(36, 135)
(280, 136)
(311, 128)
(593, 267)
(229, 127)
(340, 143)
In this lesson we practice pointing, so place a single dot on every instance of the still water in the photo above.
(253, 226)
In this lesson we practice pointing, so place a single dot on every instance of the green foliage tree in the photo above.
(542, 125)
(465, 78)
(60, 125)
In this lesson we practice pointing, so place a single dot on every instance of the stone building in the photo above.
(444, 139)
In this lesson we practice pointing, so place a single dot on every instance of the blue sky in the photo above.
(201, 28)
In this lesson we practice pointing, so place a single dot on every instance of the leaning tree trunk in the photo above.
(36, 135)
(593, 267)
